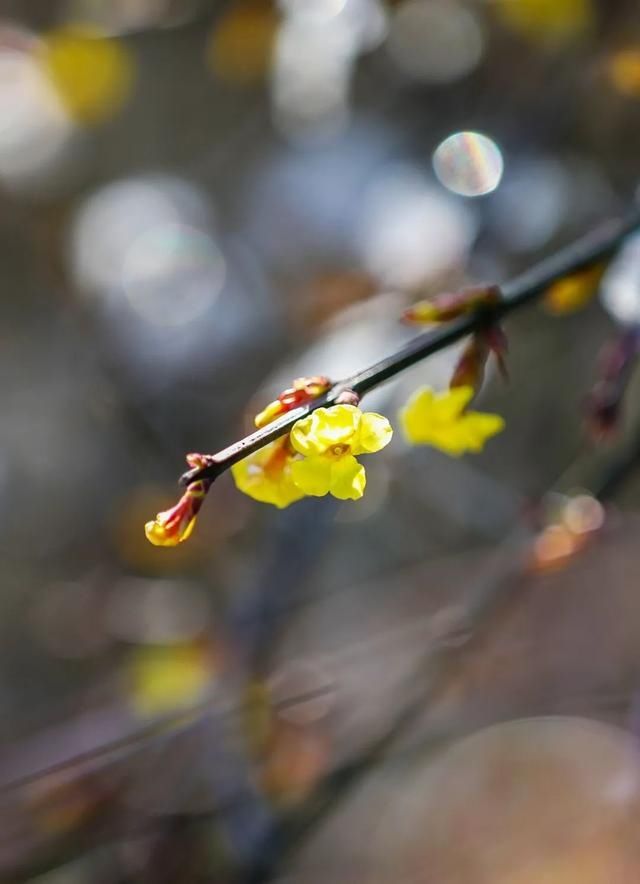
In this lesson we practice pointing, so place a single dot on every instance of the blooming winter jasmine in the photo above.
(441, 420)
(329, 440)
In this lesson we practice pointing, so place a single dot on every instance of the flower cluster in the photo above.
(320, 432)
(320, 454)
(317, 458)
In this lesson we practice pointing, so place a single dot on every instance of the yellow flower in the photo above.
(440, 420)
(266, 475)
(175, 525)
(329, 439)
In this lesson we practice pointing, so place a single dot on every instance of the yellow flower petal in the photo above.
(416, 416)
(312, 475)
(448, 405)
(348, 478)
(479, 427)
(324, 428)
(266, 475)
(374, 433)
(426, 410)
(469, 433)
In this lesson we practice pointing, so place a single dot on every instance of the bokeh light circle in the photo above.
(435, 42)
(148, 242)
(172, 273)
(468, 163)
(410, 230)
(35, 129)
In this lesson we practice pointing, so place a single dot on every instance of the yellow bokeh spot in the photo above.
(241, 45)
(575, 291)
(547, 20)
(166, 678)
(442, 421)
(92, 74)
(623, 70)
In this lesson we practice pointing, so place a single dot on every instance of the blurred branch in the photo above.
(595, 246)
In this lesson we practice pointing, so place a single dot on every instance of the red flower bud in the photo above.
(469, 372)
(302, 391)
(172, 526)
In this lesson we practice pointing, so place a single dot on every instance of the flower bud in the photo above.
(447, 306)
(469, 372)
(303, 390)
(175, 525)
(616, 362)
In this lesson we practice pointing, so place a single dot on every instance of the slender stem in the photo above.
(595, 246)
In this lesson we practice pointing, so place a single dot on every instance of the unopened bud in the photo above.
(603, 406)
(303, 390)
(447, 306)
(469, 372)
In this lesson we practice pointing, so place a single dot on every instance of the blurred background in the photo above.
(199, 201)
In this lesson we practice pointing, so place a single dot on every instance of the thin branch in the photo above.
(595, 246)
